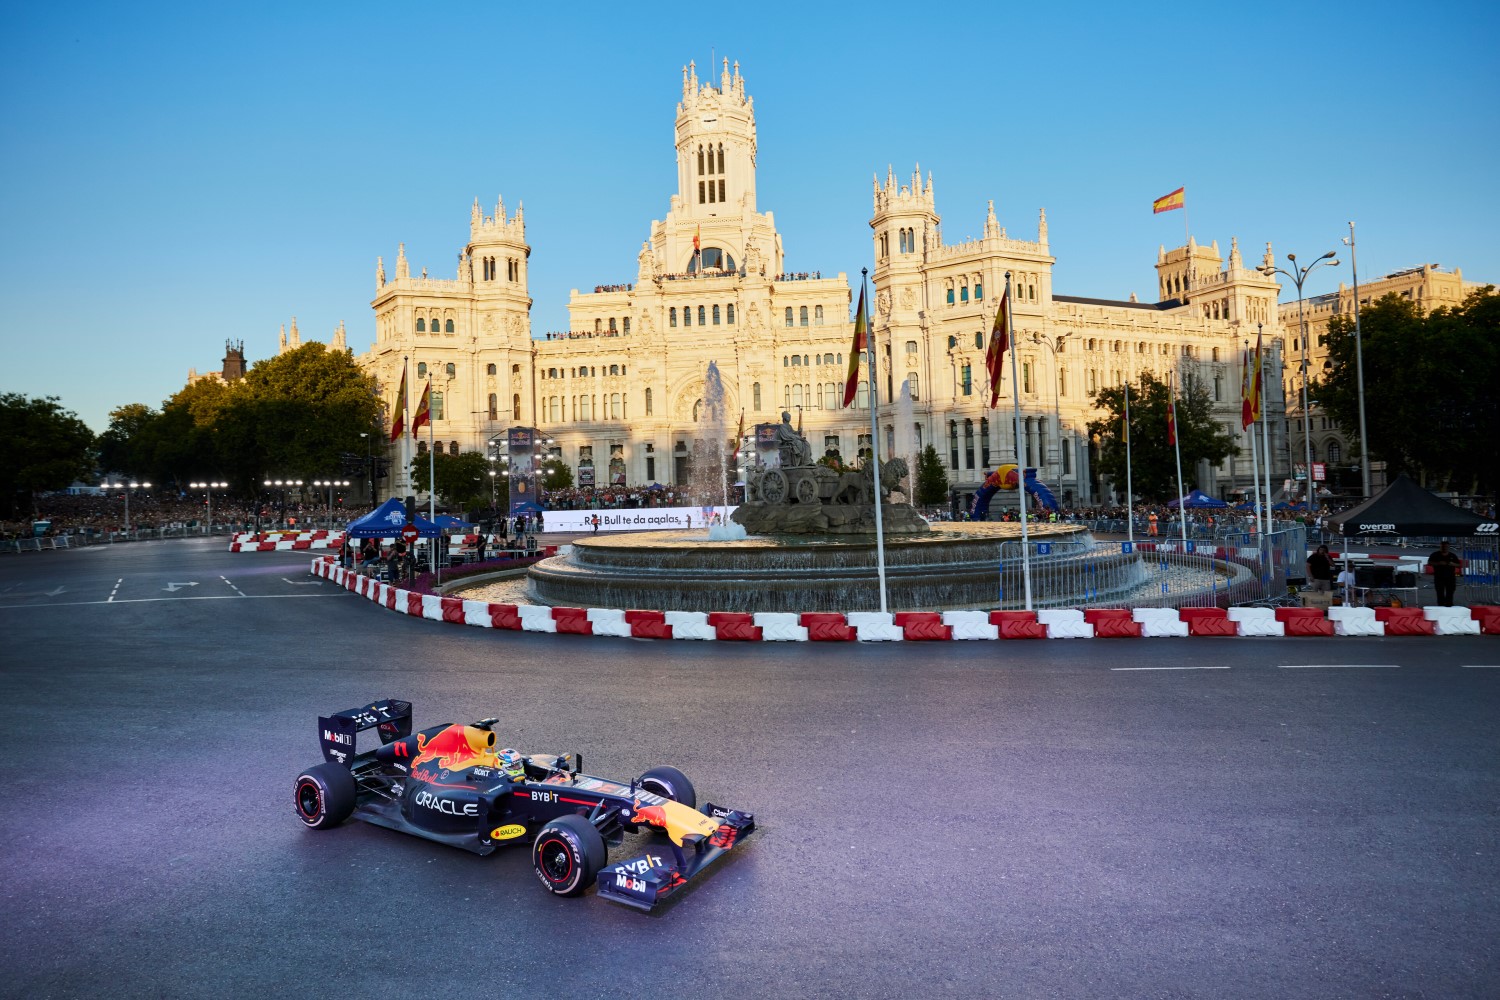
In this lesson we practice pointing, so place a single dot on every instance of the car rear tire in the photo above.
(324, 796)
(567, 855)
(669, 783)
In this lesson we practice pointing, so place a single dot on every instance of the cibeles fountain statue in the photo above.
(787, 493)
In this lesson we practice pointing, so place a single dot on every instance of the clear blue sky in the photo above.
(177, 175)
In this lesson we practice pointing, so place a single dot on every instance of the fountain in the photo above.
(710, 475)
(811, 547)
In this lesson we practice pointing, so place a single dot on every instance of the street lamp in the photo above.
(1359, 371)
(283, 485)
(1299, 274)
(208, 489)
(330, 483)
(369, 462)
(1054, 344)
(127, 487)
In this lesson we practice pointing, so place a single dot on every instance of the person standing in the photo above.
(1320, 569)
(1445, 566)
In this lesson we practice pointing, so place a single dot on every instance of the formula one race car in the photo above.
(450, 784)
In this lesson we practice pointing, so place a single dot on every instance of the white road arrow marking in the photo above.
(303, 583)
(54, 593)
(173, 588)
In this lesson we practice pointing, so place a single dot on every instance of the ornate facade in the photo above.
(620, 393)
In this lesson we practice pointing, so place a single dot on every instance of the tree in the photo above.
(556, 475)
(463, 481)
(1153, 461)
(124, 446)
(1430, 404)
(932, 478)
(42, 447)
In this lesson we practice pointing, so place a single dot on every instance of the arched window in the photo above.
(614, 406)
(797, 360)
(953, 444)
(672, 316)
(448, 326)
(702, 313)
(979, 340)
(421, 447)
(1216, 354)
(950, 295)
(963, 292)
(687, 315)
(515, 406)
(729, 314)
(437, 406)
(789, 316)
(489, 369)
(421, 325)
(421, 369)
(700, 163)
(978, 291)
(648, 402)
(453, 448)
(716, 315)
(721, 163)
(818, 315)
(1335, 453)
(451, 370)
(797, 395)
(911, 382)
(494, 405)
(614, 369)
(802, 316)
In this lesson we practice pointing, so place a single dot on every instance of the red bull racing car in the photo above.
(451, 784)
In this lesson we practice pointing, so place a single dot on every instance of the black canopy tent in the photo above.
(1404, 508)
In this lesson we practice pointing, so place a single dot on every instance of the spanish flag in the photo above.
(851, 381)
(1257, 381)
(1171, 420)
(424, 409)
(1247, 392)
(697, 235)
(739, 439)
(398, 412)
(1167, 202)
(994, 358)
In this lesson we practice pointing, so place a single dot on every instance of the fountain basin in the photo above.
(956, 565)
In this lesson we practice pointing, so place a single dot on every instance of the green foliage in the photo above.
(932, 478)
(1153, 461)
(556, 475)
(463, 481)
(42, 447)
(1431, 408)
(290, 417)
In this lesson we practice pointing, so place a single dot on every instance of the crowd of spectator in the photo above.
(103, 513)
(627, 497)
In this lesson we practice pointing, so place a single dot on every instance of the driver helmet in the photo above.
(513, 764)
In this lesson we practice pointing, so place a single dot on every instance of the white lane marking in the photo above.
(55, 592)
(1337, 666)
(152, 600)
(303, 583)
(1482, 666)
(112, 593)
(1169, 668)
(173, 588)
(232, 586)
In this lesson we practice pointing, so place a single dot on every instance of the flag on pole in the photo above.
(1171, 420)
(739, 438)
(424, 409)
(1168, 202)
(697, 233)
(398, 412)
(994, 358)
(1256, 386)
(856, 351)
(1247, 408)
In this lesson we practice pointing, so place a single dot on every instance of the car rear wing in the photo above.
(336, 732)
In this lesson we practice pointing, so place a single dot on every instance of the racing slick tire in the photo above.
(671, 783)
(324, 796)
(567, 855)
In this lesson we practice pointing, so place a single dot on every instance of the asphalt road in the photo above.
(1163, 818)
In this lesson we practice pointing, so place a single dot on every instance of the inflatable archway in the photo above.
(1005, 478)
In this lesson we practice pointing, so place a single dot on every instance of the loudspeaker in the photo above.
(1375, 576)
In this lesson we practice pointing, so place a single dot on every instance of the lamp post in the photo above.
(208, 489)
(127, 487)
(330, 483)
(1054, 344)
(369, 464)
(1359, 372)
(283, 485)
(1299, 274)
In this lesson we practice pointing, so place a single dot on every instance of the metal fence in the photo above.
(1235, 569)
(79, 539)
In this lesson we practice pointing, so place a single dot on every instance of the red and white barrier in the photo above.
(285, 541)
(911, 626)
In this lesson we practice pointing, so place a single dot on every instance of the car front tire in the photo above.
(567, 855)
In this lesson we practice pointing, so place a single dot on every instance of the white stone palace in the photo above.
(619, 394)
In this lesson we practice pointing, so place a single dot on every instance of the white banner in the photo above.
(642, 519)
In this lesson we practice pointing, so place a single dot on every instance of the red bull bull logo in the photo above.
(456, 748)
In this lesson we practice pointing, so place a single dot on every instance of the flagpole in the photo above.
(1015, 389)
(874, 440)
(432, 488)
(1129, 486)
(1265, 420)
(405, 415)
(1177, 449)
(1251, 380)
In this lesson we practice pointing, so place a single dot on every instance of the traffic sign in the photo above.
(409, 534)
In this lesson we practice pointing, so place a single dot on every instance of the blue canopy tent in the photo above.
(1283, 505)
(1197, 500)
(387, 520)
(526, 507)
(450, 523)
